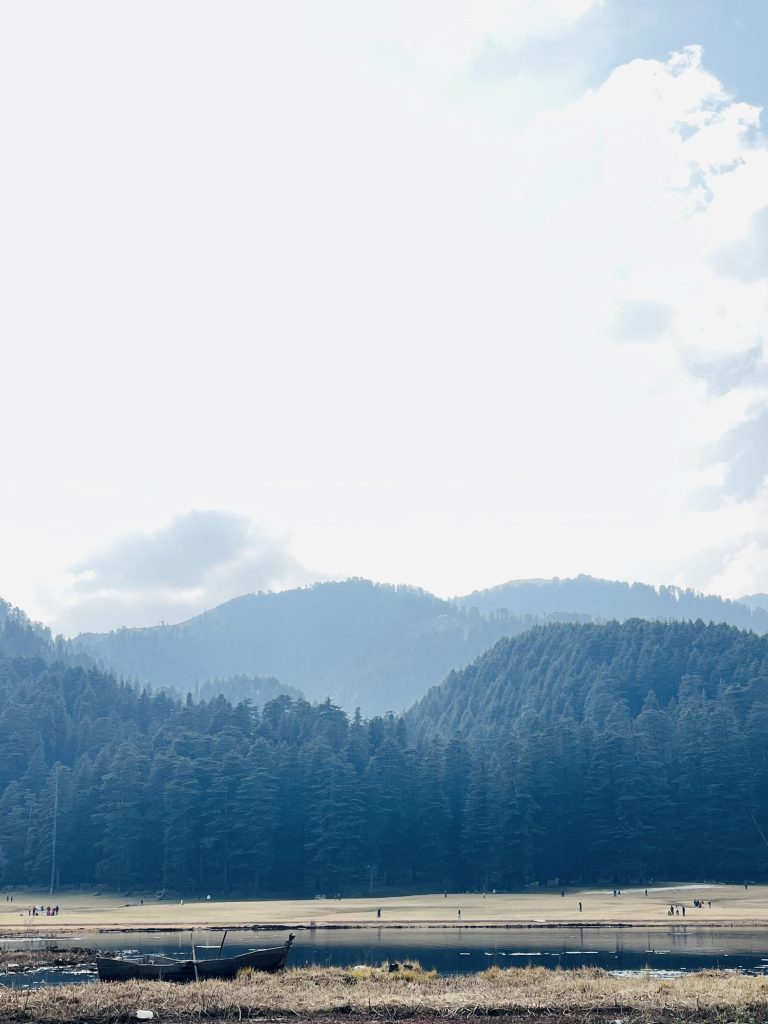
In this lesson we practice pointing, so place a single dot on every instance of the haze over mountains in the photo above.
(376, 646)
(361, 644)
(610, 599)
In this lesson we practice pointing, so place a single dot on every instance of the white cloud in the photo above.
(195, 562)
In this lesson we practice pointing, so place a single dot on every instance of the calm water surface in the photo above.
(449, 950)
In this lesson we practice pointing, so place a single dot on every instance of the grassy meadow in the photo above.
(730, 904)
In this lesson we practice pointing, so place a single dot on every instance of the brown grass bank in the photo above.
(328, 994)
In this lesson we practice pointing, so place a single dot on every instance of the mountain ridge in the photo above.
(361, 643)
(378, 646)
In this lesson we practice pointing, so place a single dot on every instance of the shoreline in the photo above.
(70, 931)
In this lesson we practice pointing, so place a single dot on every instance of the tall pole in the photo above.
(55, 827)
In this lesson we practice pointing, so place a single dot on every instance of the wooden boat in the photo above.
(154, 967)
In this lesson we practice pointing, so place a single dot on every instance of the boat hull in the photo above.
(161, 968)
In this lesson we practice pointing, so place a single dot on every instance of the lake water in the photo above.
(449, 950)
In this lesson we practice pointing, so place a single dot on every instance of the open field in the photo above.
(730, 904)
(532, 993)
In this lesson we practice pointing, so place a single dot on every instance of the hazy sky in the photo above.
(440, 292)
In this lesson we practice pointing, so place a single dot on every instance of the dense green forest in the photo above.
(584, 753)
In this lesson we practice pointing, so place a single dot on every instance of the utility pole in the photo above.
(55, 828)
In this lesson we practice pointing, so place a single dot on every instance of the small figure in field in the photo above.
(614, 894)
(683, 911)
(709, 904)
(378, 912)
(459, 913)
(677, 911)
(646, 892)
(746, 886)
(671, 909)
(562, 893)
(579, 906)
(142, 903)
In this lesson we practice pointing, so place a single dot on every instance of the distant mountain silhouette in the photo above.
(609, 599)
(361, 643)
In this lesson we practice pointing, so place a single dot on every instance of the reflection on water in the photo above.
(450, 950)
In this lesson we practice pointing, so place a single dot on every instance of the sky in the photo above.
(437, 292)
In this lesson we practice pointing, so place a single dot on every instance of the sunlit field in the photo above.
(729, 903)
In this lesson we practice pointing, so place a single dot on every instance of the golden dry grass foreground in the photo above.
(730, 904)
(332, 992)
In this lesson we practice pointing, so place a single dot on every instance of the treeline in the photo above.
(564, 768)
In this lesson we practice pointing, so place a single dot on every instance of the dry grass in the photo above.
(730, 904)
(20, 960)
(319, 992)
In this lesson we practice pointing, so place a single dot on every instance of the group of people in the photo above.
(39, 911)
(675, 910)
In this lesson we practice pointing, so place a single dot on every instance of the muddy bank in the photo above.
(19, 961)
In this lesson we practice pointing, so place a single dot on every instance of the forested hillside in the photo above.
(592, 672)
(610, 599)
(20, 637)
(620, 752)
(363, 644)
(636, 750)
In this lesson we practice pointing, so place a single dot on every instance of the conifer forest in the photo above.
(631, 752)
